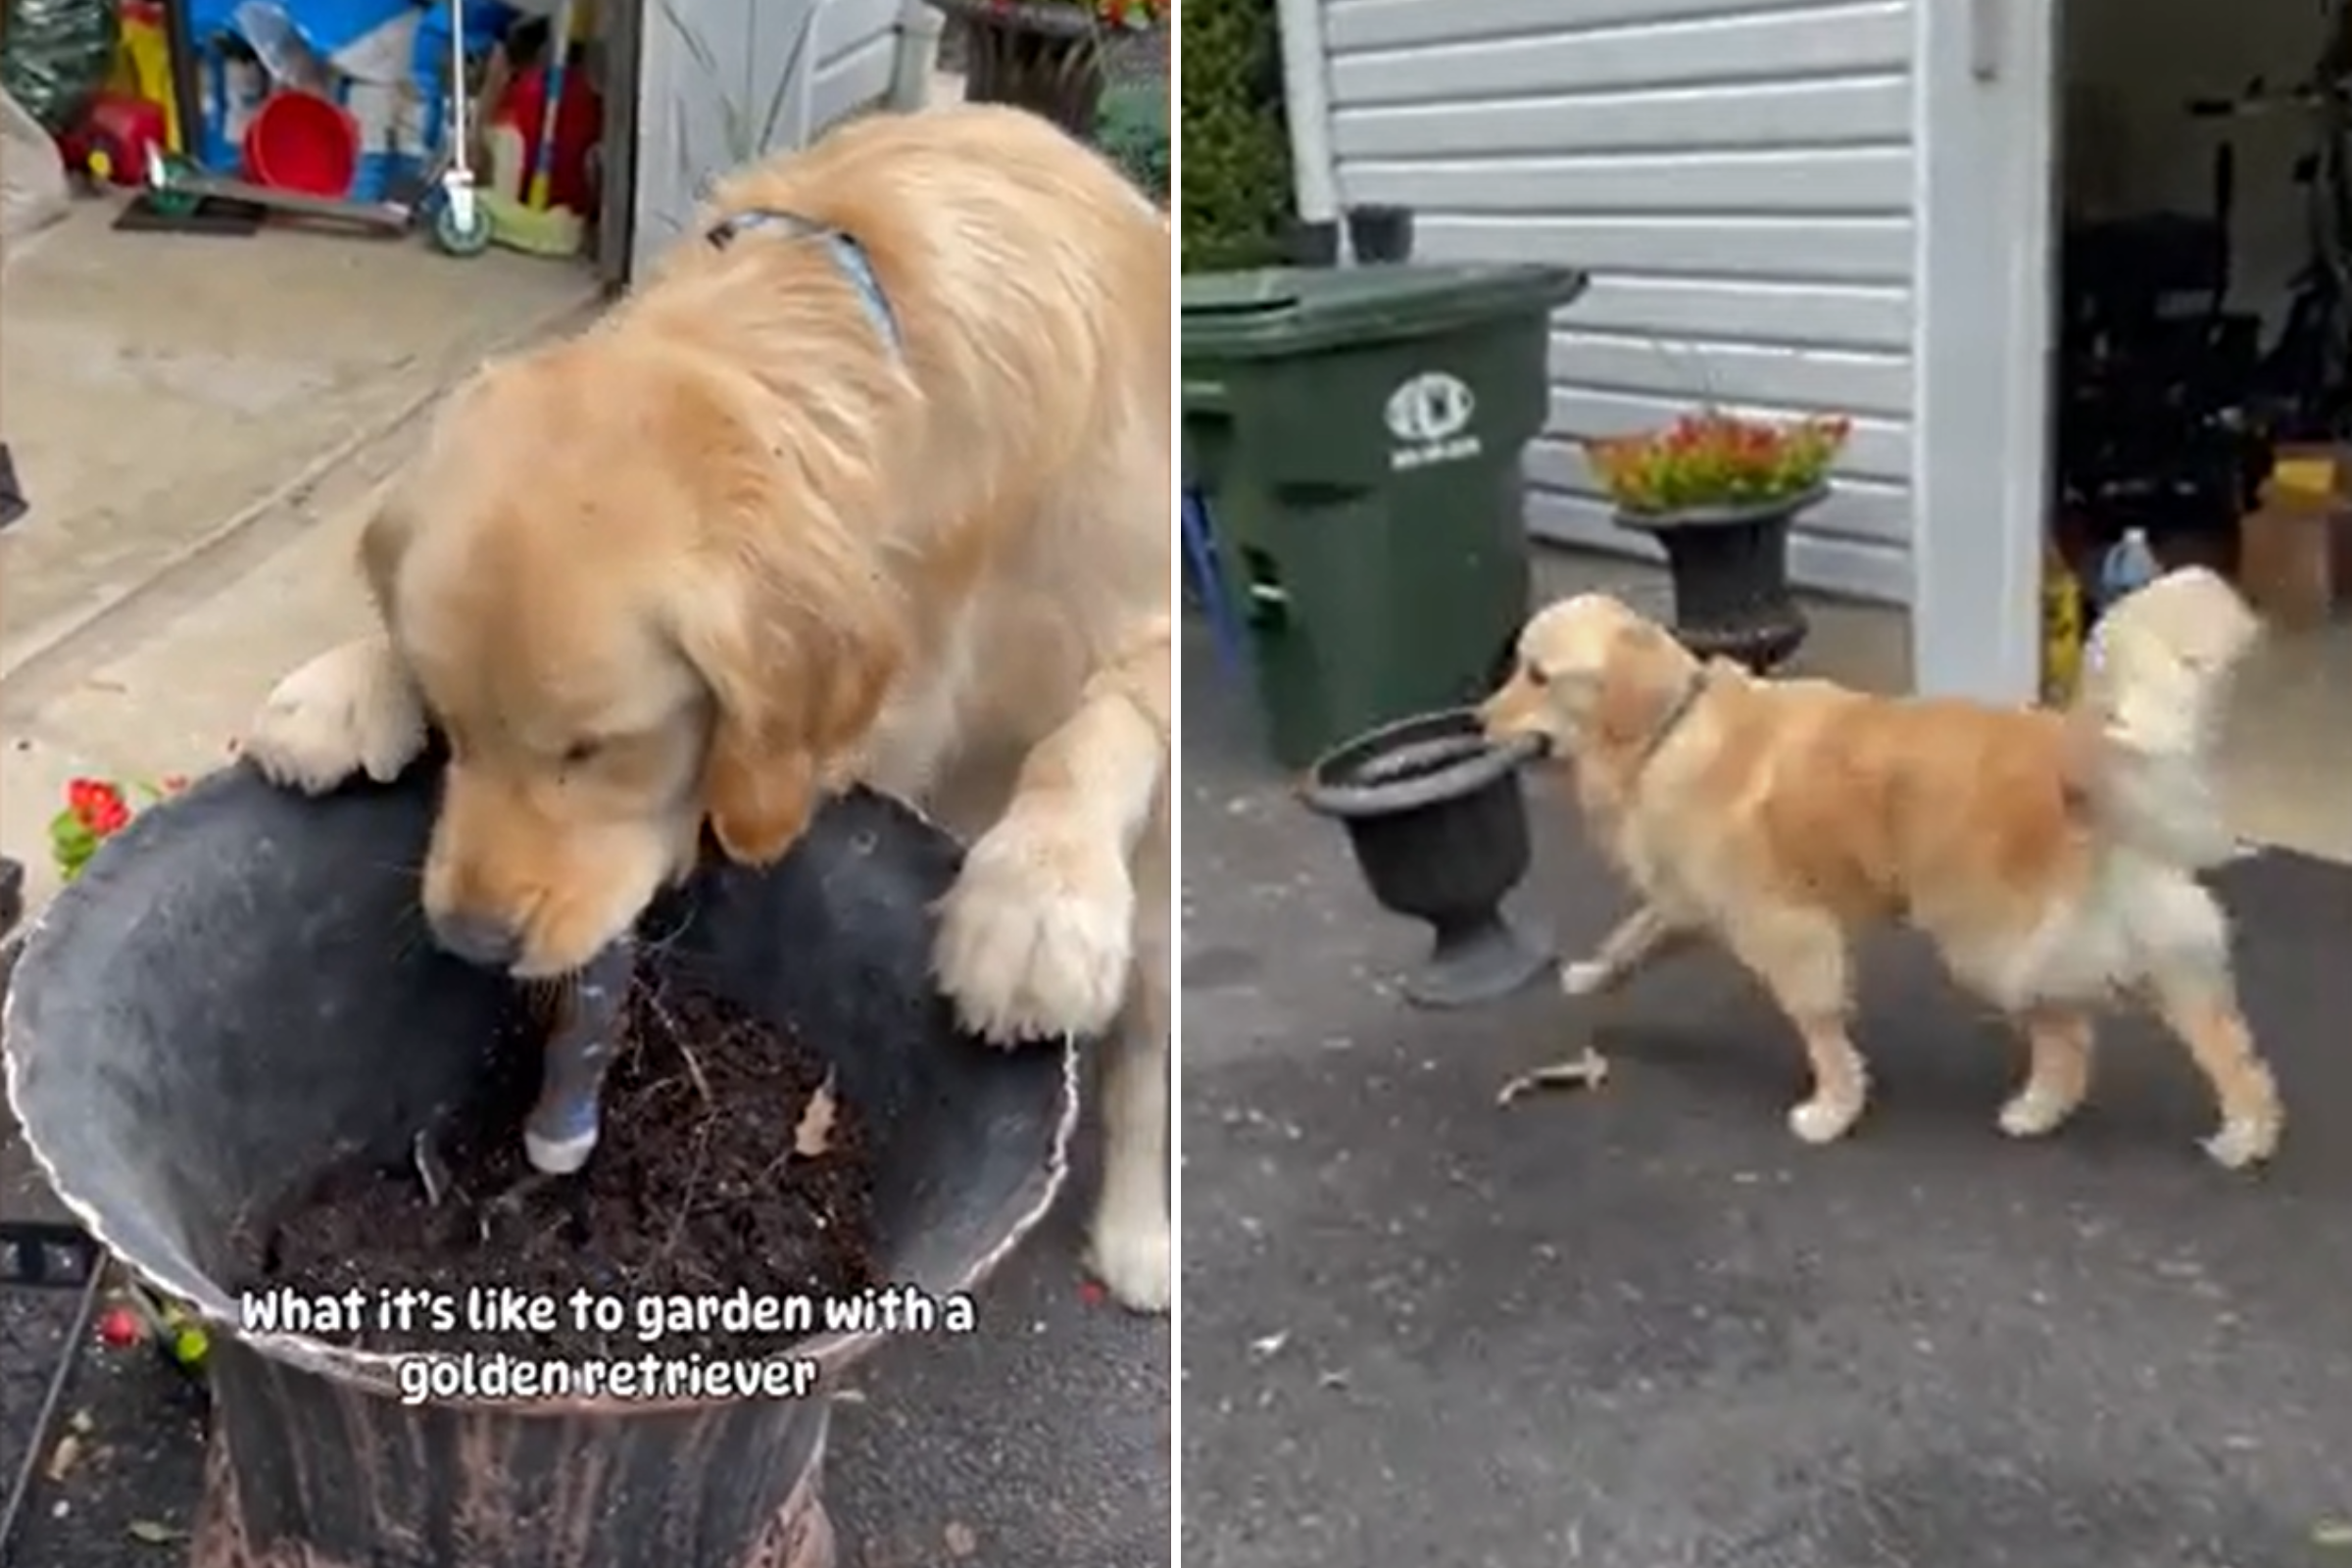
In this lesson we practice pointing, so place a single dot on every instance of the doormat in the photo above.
(213, 214)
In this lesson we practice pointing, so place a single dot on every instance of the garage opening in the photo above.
(2202, 356)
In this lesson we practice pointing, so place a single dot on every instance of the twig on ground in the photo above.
(1590, 1070)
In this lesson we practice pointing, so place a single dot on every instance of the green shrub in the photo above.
(1237, 155)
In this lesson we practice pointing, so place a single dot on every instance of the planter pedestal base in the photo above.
(1479, 962)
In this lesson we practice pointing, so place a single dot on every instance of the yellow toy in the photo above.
(2061, 628)
(143, 65)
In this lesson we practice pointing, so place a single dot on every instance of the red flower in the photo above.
(173, 783)
(97, 805)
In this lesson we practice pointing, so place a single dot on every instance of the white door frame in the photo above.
(1985, 134)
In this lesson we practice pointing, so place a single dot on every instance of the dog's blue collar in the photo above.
(848, 255)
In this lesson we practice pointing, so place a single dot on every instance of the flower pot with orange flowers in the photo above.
(1046, 56)
(1719, 491)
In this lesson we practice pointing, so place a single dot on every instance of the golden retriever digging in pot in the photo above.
(871, 481)
(2053, 857)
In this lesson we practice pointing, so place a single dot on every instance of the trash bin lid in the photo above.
(1279, 310)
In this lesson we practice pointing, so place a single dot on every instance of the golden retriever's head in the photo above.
(629, 613)
(1591, 676)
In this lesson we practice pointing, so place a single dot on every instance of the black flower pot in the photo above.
(1730, 568)
(1380, 233)
(1047, 59)
(1434, 813)
(233, 995)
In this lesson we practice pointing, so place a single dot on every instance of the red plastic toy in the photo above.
(111, 142)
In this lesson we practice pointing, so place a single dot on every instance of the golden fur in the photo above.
(731, 548)
(2051, 857)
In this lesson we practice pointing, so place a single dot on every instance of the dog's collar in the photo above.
(848, 255)
(1683, 701)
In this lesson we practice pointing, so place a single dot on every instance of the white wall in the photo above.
(2131, 64)
(1736, 178)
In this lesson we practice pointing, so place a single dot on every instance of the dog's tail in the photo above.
(2144, 721)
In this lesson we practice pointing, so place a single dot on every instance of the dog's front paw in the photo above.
(1132, 1260)
(1824, 1120)
(1586, 977)
(1036, 936)
(346, 712)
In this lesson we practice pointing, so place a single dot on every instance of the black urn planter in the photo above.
(1730, 570)
(234, 994)
(1047, 59)
(1435, 815)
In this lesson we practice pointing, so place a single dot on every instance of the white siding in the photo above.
(1737, 175)
(722, 81)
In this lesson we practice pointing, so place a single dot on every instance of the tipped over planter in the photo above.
(1439, 825)
(1720, 494)
(236, 993)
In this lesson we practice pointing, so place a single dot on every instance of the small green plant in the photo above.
(96, 810)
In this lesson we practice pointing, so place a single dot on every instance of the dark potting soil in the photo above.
(696, 1188)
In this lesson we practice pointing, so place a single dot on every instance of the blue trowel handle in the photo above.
(563, 1126)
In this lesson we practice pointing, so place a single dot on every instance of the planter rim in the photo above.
(1056, 21)
(1327, 792)
(1723, 514)
(376, 1371)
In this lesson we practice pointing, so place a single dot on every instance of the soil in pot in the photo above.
(699, 1187)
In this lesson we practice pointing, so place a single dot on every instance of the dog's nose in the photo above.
(478, 939)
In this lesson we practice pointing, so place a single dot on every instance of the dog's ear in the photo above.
(383, 543)
(797, 650)
(1640, 674)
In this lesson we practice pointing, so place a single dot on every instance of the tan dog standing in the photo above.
(2052, 857)
(871, 481)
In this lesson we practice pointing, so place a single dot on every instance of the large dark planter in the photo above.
(1047, 59)
(1434, 813)
(1730, 568)
(235, 992)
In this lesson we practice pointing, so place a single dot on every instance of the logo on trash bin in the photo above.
(1429, 416)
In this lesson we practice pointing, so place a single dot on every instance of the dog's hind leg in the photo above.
(2058, 1077)
(2206, 1018)
(351, 711)
(1800, 957)
(2181, 929)
(1639, 940)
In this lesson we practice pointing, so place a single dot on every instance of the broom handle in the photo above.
(543, 155)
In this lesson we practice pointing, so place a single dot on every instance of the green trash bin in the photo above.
(1357, 434)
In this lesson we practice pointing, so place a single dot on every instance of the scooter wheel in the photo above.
(457, 238)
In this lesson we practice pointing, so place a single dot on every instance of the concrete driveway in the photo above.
(1645, 1329)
